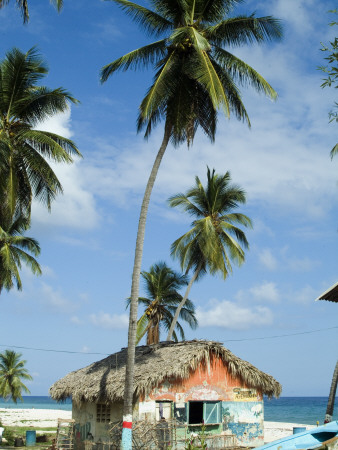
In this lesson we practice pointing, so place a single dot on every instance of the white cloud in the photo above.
(267, 259)
(48, 272)
(303, 264)
(54, 300)
(59, 124)
(305, 295)
(226, 314)
(276, 164)
(106, 31)
(76, 320)
(110, 321)
(296, 14)
(76, 207)
(265, 292)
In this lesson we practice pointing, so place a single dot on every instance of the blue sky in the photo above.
(87, 242)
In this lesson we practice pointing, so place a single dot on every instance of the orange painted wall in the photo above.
(206, 383)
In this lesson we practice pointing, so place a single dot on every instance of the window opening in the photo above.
(102, 413)
(195, 412)
(163, 409)
(204, 412)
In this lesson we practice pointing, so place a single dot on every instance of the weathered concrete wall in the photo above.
(86, 421)
(212, 382)
(245, 420)
(242, 408)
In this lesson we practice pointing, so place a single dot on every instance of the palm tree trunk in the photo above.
(184, 299)
(332, 396)
(126, 443)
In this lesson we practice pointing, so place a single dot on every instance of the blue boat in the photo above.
(313, 438)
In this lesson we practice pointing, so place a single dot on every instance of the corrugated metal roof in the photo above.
(331, 294)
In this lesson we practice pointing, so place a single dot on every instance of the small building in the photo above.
(192, 385)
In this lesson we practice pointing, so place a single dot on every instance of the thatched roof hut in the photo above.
(330, 295)
(104, 380)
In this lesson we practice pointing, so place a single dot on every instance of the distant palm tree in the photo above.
(13, 251)
(24, 171)
(214, 241)
(162, 285)
(23, 6)
(12, 372)
(195, 77)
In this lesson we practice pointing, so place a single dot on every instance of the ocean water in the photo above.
(304, 410)
(37, 402)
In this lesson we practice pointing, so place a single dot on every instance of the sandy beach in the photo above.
(33, 417)
(48, 418)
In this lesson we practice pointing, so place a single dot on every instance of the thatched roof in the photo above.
(104, 380)
(331, 294)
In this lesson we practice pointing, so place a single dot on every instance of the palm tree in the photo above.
(24, 171)
(12, 372)
(13, 251)
(332, 396)
(214, 241)
(23, 6)
(161, 285)
(195, 76)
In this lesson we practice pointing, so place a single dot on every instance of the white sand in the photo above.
(33, 417)
(279, 430)
(48, 418)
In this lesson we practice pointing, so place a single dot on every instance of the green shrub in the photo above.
(9, 436)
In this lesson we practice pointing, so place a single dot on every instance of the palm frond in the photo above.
(44, 183)
(41, 104)
(141, 57)
(243, 30)
(204, 72)
(150, 21)
(174, 11)
(51, 145)
(214, 10)
(142, 327)
(162, 89)
(242, 72)
(58, 4)
(31, 262)
(334, 151)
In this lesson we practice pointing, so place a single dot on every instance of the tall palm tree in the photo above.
(195, 77)
(214, 241)
(13, 251)
(24, 150)
(23, 6)
(12, 372)
(161, 286)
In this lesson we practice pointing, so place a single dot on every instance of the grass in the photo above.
(18, 432)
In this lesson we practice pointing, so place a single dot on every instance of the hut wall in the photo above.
(223, 403)
(92, 420)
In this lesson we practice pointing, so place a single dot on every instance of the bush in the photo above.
(9, 436)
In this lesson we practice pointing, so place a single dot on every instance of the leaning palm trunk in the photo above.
(332, 396)
(184, 299)
(126, 443)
